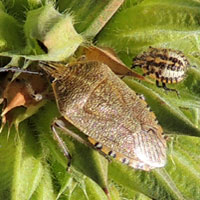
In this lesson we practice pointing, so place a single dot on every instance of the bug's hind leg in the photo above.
(63, 125)
(157, 84)
(166, 88)
(170, 89)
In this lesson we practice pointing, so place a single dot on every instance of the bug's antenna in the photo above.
(15, 69)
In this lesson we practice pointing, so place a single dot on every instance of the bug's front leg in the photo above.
(63, 125)
(134, 66)
(147, 73)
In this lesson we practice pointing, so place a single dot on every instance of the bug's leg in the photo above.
(62, 124)
(61, 143)
(169, 89)
(146, 74)
(157, 84)
(134, 66)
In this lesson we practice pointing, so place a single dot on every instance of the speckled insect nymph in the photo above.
(165, 65)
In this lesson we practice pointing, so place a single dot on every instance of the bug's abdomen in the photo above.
(165, 65)
(170, 76)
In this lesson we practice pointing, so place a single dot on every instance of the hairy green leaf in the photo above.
(31, 164)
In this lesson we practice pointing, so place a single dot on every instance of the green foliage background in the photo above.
(31, 165)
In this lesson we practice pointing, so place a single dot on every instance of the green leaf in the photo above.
(7, 153)
(170, 117)
(45, 188)
(19, 8)
(96, 168)
(170, 24)
(33, 167)
(10, 33)
(54, 30)
(21, 158)
(91, 15)
(178, 23)
(179, 180)
(45, 29)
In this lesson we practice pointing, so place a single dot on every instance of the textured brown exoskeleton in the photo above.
(116, 120)
(165, 65)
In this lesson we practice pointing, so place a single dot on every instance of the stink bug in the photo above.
(165, 65)
(116, 120)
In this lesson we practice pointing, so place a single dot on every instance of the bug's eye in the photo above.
(51, 79)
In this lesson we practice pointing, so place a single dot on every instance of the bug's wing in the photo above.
(128, 127)
(104, 108)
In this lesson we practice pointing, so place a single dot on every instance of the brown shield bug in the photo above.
(164, 65)
(116, 120)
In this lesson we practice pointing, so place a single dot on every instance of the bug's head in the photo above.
(53, 69)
